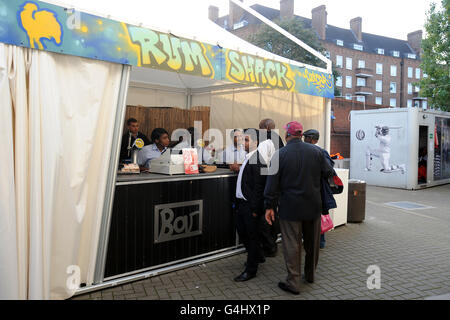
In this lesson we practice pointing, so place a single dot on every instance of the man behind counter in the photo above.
(129, 138)
(160, 139)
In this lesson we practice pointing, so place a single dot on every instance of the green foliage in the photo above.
(436, 58)
(272, 41)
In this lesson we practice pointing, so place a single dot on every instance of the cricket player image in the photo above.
(383, 152)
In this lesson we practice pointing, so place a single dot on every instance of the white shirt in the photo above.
(267, 150)
(232, 154)
(148, 153)
(239, 193)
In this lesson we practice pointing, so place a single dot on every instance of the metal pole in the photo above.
(328, 124)
(111, 178)
(285, 33)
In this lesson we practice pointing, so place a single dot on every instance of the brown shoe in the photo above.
(285, 287)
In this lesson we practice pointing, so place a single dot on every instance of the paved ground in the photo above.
(411, 248)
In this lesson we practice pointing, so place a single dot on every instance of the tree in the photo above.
(272, 41)
(436, 58)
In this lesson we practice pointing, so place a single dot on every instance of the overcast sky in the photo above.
(391, 18)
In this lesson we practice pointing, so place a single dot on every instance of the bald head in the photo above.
(267, 124)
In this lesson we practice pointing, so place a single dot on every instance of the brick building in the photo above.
(373, 69)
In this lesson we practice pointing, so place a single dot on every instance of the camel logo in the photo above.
(39, 25)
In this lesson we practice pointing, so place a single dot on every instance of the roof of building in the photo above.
(370, 42)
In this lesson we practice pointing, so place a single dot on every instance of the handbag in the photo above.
(326, 224)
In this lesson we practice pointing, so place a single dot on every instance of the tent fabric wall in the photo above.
(62, 130)
(244, 108)
(155, 98)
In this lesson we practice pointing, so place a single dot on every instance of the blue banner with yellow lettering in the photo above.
(43, 26)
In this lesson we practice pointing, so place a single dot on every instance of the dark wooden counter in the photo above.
(160, 219)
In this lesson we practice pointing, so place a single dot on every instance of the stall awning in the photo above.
(202, 49)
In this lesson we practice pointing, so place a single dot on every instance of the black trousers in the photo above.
(269, 234)
(248, 230)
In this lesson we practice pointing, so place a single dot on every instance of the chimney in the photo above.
(213, 13)
(235, 14)
(356, 27)
(286, 9)
(415, 41)
(319, 20)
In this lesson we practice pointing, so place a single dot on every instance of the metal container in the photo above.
(134, 154)
(356, 201)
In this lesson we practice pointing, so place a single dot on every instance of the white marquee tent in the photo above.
(62, 129)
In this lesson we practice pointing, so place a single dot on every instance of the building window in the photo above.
(348, 82)
(240, 24)
(380, 51)
(410, 88)
(424, 104)
(393, 102)
(358, 47)
(393, 71)
(410, 72)
(379, 68)
(409, 103)
(348, 63)
(339, 61)
(361, 64)
(396, 53)
(393, 87)
(379, 86)
(417, 73)
(416, 88)
(327, 54)
(361, 82)
(339, 81)
(361, 98)
(348, 96)
(378, 100)
(340, 43)
(411, 56)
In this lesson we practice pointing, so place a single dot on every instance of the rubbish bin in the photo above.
(356, 211)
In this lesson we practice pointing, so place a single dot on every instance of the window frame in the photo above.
(346, 82)
(381, 68)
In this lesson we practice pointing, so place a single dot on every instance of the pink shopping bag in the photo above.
(327, 223)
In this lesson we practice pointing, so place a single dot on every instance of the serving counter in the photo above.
(159, 220)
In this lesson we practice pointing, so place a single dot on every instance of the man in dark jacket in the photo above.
(269, 233)
(312, 136)
(250, 204)
(301, 167)
(130, 137)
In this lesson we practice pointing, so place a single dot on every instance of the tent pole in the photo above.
(111, 179)
(327, 124)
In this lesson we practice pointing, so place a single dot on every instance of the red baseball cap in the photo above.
(294, 128)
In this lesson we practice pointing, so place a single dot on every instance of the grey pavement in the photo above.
(410, 247)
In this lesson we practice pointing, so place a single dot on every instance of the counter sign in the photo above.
(178, 220)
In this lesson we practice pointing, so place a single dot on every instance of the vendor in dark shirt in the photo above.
(129, 137)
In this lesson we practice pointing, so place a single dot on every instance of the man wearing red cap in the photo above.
(296, 178)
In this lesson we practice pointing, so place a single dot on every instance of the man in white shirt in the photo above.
(383, 152)
(234, 155)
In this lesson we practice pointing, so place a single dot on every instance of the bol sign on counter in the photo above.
(178, 220)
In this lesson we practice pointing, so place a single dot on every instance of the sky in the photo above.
(390, 18)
